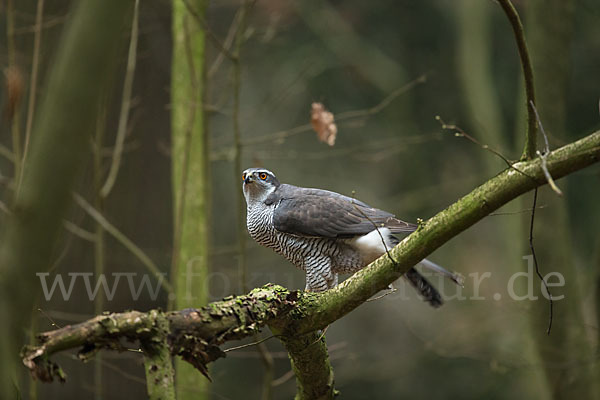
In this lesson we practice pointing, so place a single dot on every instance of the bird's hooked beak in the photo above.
(249, 179)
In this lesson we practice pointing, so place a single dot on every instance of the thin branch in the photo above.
(344, 116)
(516, 212)
(52, 323)
(283, 378)
(243, 346)
(125, 105)
(541, 155)
(535, 193)
(79, 232)
(48, 23)
(35, 63)
(517, 26)
(123, 373)
(7, 153)
(231, 34)
(381, 296)
(459, 132)
(384, 103)
(124, 240)
(537, 270)
(551, 182)
(211, 35)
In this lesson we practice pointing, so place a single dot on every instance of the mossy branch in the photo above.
(310, 363)
(195, 334)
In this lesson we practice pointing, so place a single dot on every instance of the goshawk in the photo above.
(325, 233)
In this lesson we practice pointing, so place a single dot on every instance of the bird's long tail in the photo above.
(429, 293)
(438, 269)
(425, 289)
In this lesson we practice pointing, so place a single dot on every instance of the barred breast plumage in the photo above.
(298, 248)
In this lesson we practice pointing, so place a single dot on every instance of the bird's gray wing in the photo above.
(320, 213)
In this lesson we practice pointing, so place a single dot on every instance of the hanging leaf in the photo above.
(323, 123)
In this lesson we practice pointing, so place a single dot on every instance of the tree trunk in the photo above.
(190, 166)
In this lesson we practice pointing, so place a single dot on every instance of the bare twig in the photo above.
(392, 290)
(283, 379)
(125, 105)
(7, 153)
(459, 132)
(79, 232)
(344, 116)
(124, 240)
(211, 35)
(37, 39)
(52, 323)
(516, 212)
(517, 26)
(542, 155)
(384, 103)
(122, 372)
(537, 270)
(231, 34)
(243, 346)
(48, 23)
(535, 193)
(551, 182)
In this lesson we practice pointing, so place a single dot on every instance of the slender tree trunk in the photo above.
(190, 163)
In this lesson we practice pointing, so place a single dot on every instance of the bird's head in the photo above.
(258, 184)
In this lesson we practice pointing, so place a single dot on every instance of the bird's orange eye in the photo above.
(262, 176)
(243, 177)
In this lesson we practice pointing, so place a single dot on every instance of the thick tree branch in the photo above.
(160, 375)
(310, 363)
(195, 334)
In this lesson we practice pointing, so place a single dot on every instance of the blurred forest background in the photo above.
(385, 69)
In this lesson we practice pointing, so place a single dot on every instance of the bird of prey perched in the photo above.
(325, 233)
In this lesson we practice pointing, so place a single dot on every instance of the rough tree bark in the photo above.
(195, 334)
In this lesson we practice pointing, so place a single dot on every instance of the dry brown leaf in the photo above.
(14, 89)
(323, 123)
